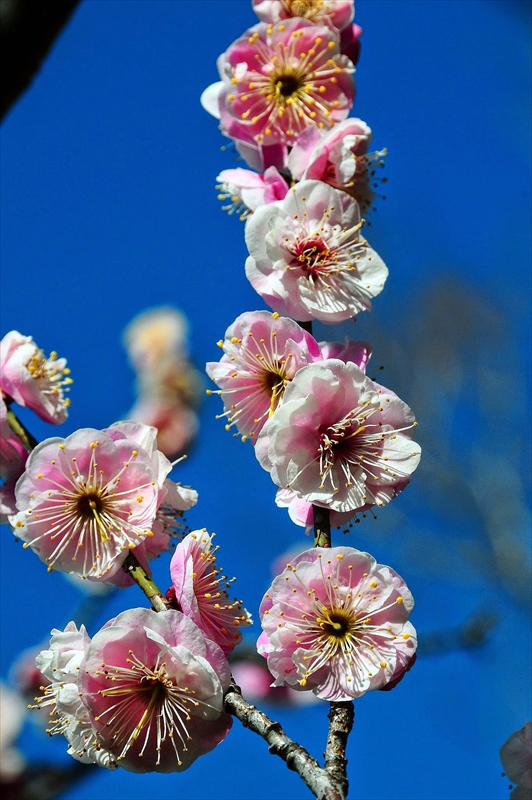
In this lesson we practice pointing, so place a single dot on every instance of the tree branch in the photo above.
(136, 571)
(341, 718)
(319, 781)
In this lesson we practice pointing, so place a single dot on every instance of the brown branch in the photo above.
(341, 718)
(322, 783)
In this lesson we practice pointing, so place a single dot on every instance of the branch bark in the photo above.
(321, 782)
(341, 718)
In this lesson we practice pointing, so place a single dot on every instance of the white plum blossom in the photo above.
(308, 258)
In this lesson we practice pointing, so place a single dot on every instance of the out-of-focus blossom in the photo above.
(308, 258)
(177, 425)
(336, 13)
(60, 666)
(153, 686)
(246, 190)
(340, 158)
(335, 622)
(200, 591)
(516, 757)
(13, 456)
(262, 353)
(12, 713)
(169, 386)
(250, 672)
(32, 380)
(280, 80)
(154, 336)
(84, 501)
(339, 440)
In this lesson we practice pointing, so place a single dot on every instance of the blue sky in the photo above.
(109, 207)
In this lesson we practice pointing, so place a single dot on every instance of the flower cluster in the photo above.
(144, 694)
(335, 442)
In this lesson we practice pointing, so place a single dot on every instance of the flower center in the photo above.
(285, 85)
(89, 503)
(311, 254)
(302, 8)
(274, 384)
(337, 623)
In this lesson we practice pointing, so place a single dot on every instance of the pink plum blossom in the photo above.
(200, 591)
(262, 353)
(84, 501)
(175, 498)
(335, 622)
(308, 258)
(339, 440)
(32, 380)
(153, 686)
(13, 456)
(340, 158)
(516, 757)
(257, 155)
(335, 13)
(248, 190)
(280, 80)
(59, 666)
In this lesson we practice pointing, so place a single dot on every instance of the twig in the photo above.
(322, 783)
(322, 527)
(341, 718)
(133, 568)
(28, 440)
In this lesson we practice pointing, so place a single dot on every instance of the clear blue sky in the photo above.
(109, 207)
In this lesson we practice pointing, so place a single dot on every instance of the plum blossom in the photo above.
(59, 666)
(262, 353)
(84, 501)
(257, 155)
(335, 622)
(13, 456)
(12, 714)
(200, 591)
(153, 687)
(278, 80)
(340, 158)
(308, 258)
(32, 380)
(169, 386)
(248, 190)
(516, 757)
(335, 13)
(339, 440)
